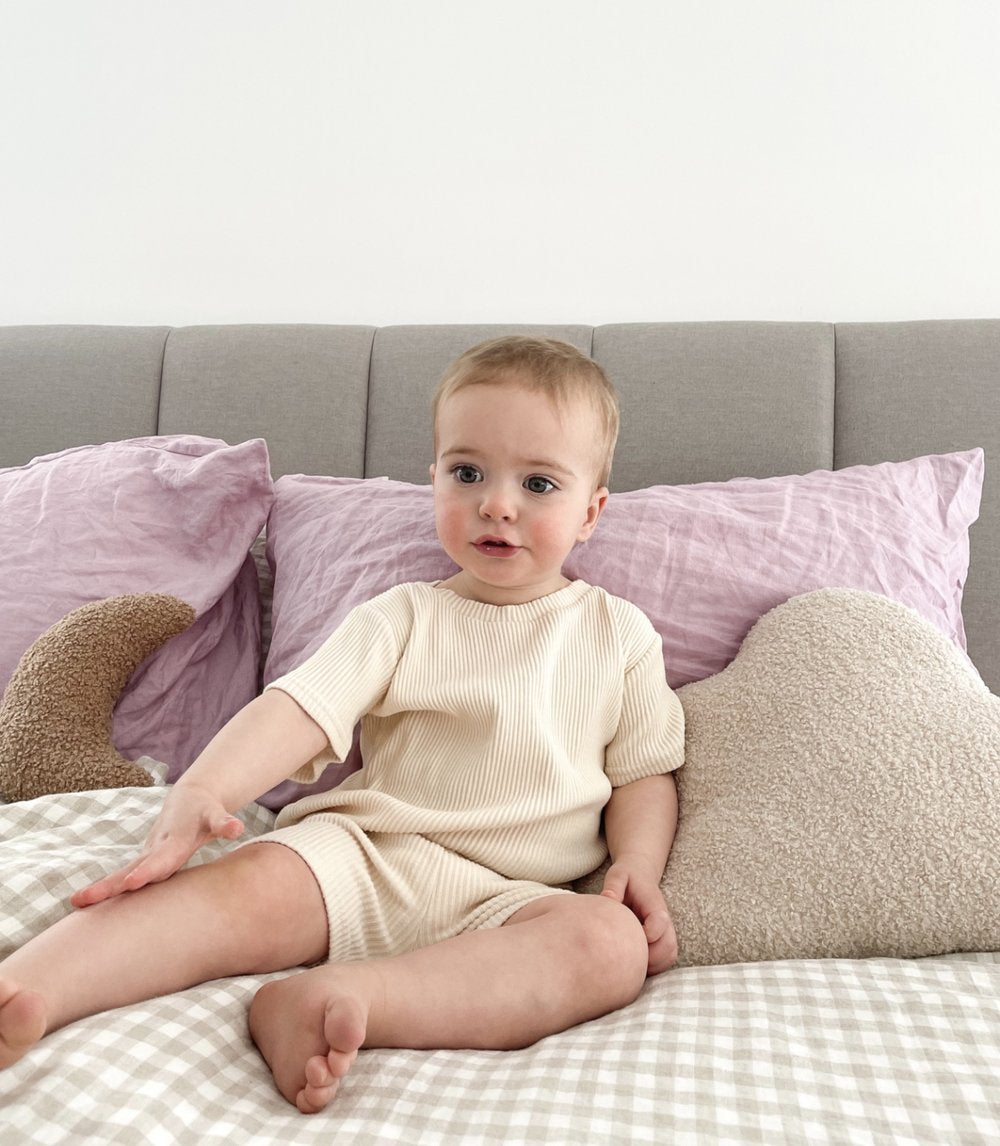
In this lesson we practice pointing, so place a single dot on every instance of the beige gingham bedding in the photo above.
(827, 1051)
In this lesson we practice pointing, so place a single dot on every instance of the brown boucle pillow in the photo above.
(840, 795)
(55, 718)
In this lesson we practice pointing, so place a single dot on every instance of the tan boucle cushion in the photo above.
(56, 712)
(841, 792)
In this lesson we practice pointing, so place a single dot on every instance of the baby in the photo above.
(516, 727)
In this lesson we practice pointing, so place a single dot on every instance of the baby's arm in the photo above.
(639, 822)
(264, 743)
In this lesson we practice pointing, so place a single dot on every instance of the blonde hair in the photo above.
(543, 366)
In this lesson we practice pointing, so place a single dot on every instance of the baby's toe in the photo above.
(312, 1099)
(318, 1072)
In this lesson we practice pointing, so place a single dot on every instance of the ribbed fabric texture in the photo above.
(385, 894)
(496, 731)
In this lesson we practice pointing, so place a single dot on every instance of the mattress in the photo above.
(822, 1051)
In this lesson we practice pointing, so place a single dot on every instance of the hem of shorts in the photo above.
(500, 908)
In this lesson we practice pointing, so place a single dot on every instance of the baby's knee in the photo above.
(611, 948)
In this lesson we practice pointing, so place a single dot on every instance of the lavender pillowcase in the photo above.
(704, 562)
(173, 515)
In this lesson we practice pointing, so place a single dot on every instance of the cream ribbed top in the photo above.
(497, 731)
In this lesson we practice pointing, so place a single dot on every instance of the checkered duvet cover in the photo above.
(828, 1051)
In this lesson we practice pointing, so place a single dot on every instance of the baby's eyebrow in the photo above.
(549, 465)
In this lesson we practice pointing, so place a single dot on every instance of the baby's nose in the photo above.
(497, 506)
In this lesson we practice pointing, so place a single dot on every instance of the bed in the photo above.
(840, 975)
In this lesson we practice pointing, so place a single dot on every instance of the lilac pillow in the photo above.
(704, 562)
(169, 514)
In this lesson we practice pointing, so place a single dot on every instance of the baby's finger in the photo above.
(106, 888)
(655, 925)
(226, 827)
(663, 950)
(93, 893)
(157, 864)
(615, 884)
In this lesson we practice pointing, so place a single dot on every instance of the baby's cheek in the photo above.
(554, 537)
(449, 518)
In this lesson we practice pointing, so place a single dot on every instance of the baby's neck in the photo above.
(471, 589)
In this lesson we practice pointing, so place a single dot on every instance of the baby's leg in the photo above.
(559, 961)
(257, 909)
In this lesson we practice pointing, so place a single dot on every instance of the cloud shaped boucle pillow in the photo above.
(841, 792)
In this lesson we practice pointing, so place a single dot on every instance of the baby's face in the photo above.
(514, 489)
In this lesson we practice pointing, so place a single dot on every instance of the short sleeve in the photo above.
(649, 740)
(345, 677)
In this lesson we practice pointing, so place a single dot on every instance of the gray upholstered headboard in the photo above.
(700, 401)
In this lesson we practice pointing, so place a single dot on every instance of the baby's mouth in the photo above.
(495, 546)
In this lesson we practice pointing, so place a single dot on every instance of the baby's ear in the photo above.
(594, 511)
(433, 467)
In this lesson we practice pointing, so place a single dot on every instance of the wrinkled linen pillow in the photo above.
(704, 562)
(839, 793)
(172, 515)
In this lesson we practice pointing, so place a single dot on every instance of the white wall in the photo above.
(177, 161)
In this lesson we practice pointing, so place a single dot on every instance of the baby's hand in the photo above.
(641, 893)
(190, 817)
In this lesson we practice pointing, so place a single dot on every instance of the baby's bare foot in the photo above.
(22, 1021)
(309, 1029)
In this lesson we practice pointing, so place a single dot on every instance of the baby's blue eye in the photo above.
(538, 484)
(467, 475)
